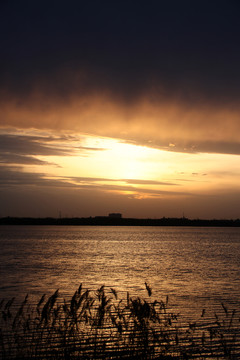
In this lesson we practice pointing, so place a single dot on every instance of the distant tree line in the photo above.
(109, 221)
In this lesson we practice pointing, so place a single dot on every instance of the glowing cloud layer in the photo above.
(120, 106)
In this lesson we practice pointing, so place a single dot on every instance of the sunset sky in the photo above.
(120, 106)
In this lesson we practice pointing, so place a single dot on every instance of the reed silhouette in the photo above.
(99, 325)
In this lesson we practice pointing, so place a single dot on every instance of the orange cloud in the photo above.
(165, 124)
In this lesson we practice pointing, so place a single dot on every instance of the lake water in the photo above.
(196, 267)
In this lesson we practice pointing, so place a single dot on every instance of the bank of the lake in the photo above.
(120, 221)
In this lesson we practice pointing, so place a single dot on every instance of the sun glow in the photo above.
(89, 164)
(129, 161)
(107, 158)
(111, 161)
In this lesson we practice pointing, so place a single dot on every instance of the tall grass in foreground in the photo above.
(99, 325)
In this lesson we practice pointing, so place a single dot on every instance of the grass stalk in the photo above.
(99, 325)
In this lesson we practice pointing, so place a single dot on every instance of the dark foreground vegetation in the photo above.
(99, 325)
(109, 221)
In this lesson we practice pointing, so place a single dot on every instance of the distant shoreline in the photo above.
(109, 221)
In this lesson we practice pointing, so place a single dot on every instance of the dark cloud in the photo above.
(16, 176)
(23, 149)
(30, 145)
(186, 49)
(7, 158)
(71, 202)
(134, 191)
(163, 74)
(127, 181)
(192, 147)
(217, 147)
(146, 182)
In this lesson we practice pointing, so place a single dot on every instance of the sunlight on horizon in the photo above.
(119, 165)
(72, 168)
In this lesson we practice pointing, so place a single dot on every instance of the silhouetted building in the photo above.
(115, 215)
